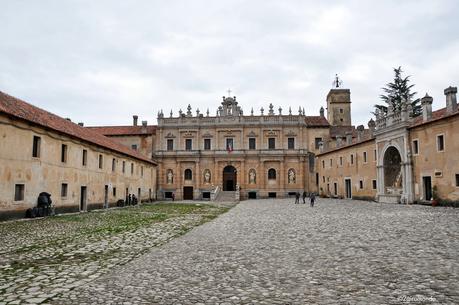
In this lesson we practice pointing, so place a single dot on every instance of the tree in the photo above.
(398, 91)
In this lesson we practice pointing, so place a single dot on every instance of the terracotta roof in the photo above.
(25, 111)
(341, 130)
(316, 121)
(436, 115)
(124, 130)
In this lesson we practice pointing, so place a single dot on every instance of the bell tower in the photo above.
(339, 104)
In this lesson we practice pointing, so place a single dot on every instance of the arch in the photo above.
(188, 174)
(229, 178)
(271, 174)
(392, 165)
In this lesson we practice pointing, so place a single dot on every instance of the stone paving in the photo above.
(276, 252)
(42, 258)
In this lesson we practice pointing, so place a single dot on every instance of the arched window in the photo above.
(188, 174)
(272, 174)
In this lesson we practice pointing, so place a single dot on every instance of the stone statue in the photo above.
(207, 176)
(291, 176)
(252, 176)
(170, 177)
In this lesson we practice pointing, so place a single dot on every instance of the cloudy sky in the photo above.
(99, 62)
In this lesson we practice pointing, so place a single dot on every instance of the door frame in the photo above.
(83, 198)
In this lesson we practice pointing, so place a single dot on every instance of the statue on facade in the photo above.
(207, 176)
(291, 176)
(170, 176)
(252, 176)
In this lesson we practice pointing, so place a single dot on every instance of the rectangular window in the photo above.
(323, 163)
(85, 157)
(188, 144)
(113, 164)
(124, 166)
(229, 144)
(36, 147)
(64, 189)
(272, 143)
(374, 184)
(415, 147)
(374, 155)
(365, 157)
(440, 143)
(335, 188)
(331, 162)
(141, 171)
(341, 161)
(114, 191)
(134, 146)
(361, 184)
(252, 144)
(132, 168)
(206, 144)
(457, 180)
(170, 144)
(317, 142)
(64, 153)
(352, 159)
(323, 179)
(19, 192)
(101, 161)
(291, 143)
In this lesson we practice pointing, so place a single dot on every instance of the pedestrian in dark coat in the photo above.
(313, 199)
(297, 197)
(304, 197)
(173, 196)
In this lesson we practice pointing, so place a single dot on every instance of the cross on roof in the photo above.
(229, 92)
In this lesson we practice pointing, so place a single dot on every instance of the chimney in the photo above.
(360, 130)
(144, 126)
(322, 112)
(426, 103)
(81, 124)
(348, 137)
(338, 141)
(135, 118)
(451, 101)
(371, 126)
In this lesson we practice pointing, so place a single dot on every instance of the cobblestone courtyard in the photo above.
(276, 252)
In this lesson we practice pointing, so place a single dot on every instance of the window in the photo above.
(415, 147)
(252, 143)
(19, 192)
(64, 189)
(188, 144)
(207, 144)
(114, 191)
(272, 143)
(134, 146)
(113, 164)
(64, 153)
(132, 168)
(323, 163)
(188, 174)
(341, 110)
(341, 161)
(365, 157)
(170, 144)
(457, 180)
(229, 144)
(323, 179)
(317, 142)
(85, 157)
(352, 159)
(124, 166)
(291, 143)
(374, 155)
(141, 171)
(335, 188)
(101, 161)
(374, 184)
(440, 143)
(331, 162)
(271, 174)
(36, 147)
(361, 184)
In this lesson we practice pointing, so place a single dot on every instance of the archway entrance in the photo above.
(392, 171)
(229, 178)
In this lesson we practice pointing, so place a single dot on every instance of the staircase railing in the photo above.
(214, 193)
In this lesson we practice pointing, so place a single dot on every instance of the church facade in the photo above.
(267, 155)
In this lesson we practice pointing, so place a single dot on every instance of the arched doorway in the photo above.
(392, 171)
(229, 178)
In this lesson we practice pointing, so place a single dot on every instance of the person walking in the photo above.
(173, 196)
(313, 199)
(304, 196)
(297, 197)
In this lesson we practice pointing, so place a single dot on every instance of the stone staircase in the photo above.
(226, 196)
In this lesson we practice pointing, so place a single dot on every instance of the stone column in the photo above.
(380, 181)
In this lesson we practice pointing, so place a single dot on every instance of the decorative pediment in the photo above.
(271, 133)
(170, 135)
(188, 134)
(290, 133)
(252, 134)
(207, 135)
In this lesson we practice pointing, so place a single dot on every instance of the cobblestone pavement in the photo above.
(276, 252)
(43, 258)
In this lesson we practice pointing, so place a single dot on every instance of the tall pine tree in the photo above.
(396, 92)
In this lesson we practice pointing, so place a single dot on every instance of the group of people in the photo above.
(312, 198)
